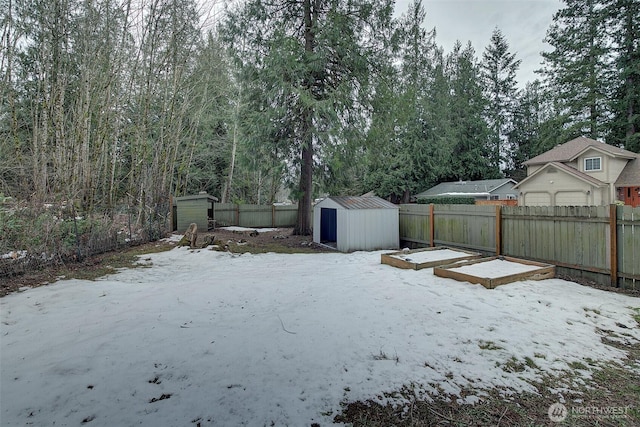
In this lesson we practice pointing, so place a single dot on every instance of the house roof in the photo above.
(466, 188)
(361, 202)
(630, 175)
(570, 150)
(566, 169)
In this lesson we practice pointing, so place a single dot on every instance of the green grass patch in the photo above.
(612, 389)
(530, 363)
(513, 365)
(578, 365)
(489, 345)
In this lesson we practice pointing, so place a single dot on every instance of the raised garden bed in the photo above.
(418, 259)
(496, 271)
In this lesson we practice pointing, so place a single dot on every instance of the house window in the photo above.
(592, 164)
(494, 197)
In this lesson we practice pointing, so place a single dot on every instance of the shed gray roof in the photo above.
(570, 150)
(361, 202)
(466, 187)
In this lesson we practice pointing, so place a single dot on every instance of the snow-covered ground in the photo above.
(495, 268)
(434, 255)
(219, 339)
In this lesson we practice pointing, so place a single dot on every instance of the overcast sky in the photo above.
(524, 24)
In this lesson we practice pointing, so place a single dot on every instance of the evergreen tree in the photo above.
(624, 24)
(468, 130)
(402, 156)
(578, 69)
(537, 126)
(498, 71)
(308, 64)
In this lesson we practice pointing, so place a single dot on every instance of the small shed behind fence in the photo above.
(356, 223)
(198, 208)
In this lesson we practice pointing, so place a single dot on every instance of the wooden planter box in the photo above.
(417, 259)
(470, 271)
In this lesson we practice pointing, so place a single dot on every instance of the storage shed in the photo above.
(198, 208)
(356, 223)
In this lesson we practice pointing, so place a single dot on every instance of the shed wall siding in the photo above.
(504, 191)
(192, 211)
(368, 229)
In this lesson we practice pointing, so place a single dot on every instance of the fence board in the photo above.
(257, 216)
(628, 226)
(225, 214)
(576, 237)
(415, 224)
(286, 216)
(467, 226)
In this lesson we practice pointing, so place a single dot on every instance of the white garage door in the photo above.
(571, 198)
(537, 199)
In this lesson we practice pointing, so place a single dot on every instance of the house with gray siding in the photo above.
(486, 189)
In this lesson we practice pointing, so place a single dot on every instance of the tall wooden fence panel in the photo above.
(227, 214)
(628, 226)
(469, 226)
(415, 224)
(600, 243)
(567, 236)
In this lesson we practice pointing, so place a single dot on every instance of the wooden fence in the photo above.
(227, 214)
(597, 243)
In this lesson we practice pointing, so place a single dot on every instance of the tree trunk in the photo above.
(303, 223)
(226, 195)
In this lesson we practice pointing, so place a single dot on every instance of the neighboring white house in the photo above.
(487, 189)
(581, 172)
(356, 223)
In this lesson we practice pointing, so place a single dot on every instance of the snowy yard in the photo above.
(210, 338)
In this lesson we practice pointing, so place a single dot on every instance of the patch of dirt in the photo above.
(591, 283)
(281, 240)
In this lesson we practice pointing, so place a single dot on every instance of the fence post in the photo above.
(237, 215)
(432, 226)
(613, 233)
(498, 230)
(273, 215)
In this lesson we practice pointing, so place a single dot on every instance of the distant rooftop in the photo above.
(466, 188)
(568, 151)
